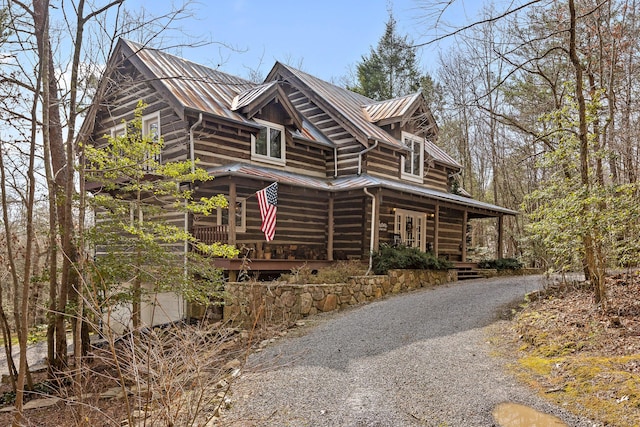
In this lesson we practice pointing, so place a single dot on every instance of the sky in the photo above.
(325, 38)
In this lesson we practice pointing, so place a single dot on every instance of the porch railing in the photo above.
(212, 234)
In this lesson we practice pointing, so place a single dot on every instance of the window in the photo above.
(241, 216)
(269, 144)
(150, 127)
(410, 227)
(412, 163)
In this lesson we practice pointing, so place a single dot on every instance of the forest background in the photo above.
(536, 99)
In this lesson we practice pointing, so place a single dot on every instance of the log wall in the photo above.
(120, 104)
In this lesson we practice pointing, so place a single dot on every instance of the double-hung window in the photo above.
(412, 164)
(269, 144)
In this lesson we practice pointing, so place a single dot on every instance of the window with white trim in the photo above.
(269, 144)
(412, 163)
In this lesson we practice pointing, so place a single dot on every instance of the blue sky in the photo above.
(325, 38)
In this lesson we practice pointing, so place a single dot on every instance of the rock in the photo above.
(288, 299)
(306, 302)
(330, 303)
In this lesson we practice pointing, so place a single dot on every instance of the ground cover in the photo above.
(577, 355)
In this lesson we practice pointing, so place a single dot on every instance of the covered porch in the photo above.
(320, 221)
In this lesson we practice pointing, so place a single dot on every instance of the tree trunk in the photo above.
(593, 257)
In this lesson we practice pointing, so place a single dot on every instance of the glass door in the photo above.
(411, 227)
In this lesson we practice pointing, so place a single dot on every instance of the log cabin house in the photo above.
(352, 173)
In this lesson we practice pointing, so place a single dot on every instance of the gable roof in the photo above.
(188, 85)
(343, 105)
(361, 115)
(392, 110)
(251, 101)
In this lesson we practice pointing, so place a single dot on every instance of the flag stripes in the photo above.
(268, 203)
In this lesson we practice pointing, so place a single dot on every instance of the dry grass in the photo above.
(177, 376)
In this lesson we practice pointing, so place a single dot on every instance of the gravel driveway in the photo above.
(417, 359)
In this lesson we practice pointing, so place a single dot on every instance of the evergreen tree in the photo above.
(391, 69)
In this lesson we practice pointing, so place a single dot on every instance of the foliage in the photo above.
(404, 257)
(136, 243)
(564, 210)
(391, 69)
(501, 264)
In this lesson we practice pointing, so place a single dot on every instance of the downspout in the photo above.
(360, 154)
(373, 217)
(192, 149)
(335, 162)
(192, 157)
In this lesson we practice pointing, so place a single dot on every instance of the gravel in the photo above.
(417, 359)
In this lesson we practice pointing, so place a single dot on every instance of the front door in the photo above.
(411, 226)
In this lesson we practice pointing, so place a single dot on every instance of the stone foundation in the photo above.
(249, 303)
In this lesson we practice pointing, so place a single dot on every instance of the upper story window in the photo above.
(412, 164)
(269, 144)
(150, 128)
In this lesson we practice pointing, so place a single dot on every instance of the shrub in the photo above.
(501, 264)
(403, 257)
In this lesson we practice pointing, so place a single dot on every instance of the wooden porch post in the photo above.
(330, 226)
(500, 248)
(463, 247)
(436, 230)
(232, 213)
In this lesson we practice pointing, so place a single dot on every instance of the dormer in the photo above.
(408, 113)
(269, 106)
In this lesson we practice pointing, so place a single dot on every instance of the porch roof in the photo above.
(353, 183)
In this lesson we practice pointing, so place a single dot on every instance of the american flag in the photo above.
(268, 202)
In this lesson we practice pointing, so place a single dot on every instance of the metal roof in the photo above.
(250, 95)
(346, 103)
(439, 154)
(391, 108)
(362, 111)
(201, 88)
(351, 183)
(370, 181)
(193, 85)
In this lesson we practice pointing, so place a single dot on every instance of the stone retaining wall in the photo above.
(276, 303)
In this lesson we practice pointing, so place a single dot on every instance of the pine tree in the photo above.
(391, 69)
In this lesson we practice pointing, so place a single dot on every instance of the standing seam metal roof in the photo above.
(362, 111)
(351, 183)
(195, 86)
(391, 108)
(201, 88)
(347, 103)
